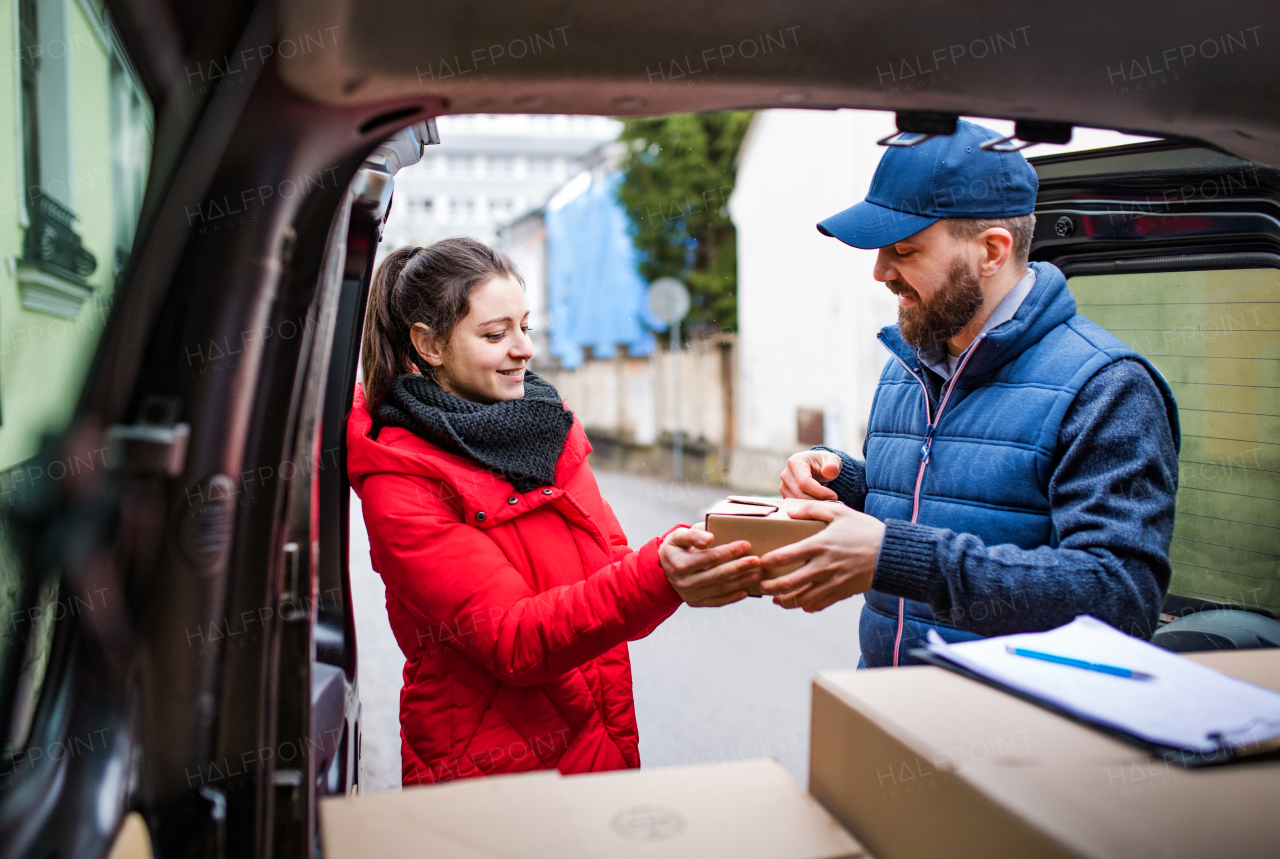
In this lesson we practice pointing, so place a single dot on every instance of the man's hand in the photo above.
(804, 470)
(839, 561)
(707, 577)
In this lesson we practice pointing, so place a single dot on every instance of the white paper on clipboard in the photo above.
(1187, 705)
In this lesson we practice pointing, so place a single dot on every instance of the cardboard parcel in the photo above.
(763, 522)
(745, 809)
(919, 761)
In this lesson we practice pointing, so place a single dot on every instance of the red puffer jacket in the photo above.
(513, 610)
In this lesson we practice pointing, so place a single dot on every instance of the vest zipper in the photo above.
(931, 426)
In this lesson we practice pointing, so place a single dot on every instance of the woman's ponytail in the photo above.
(429, 285)
(383, 345)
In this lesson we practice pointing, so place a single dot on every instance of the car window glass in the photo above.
(1215, 336)
(77, 162)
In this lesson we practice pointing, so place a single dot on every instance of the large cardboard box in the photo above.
(745, 810)
(922, 762)
(764, 522)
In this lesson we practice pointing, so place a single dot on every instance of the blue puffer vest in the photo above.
(994, 448)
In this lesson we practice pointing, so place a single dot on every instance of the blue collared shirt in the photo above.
(935, 355)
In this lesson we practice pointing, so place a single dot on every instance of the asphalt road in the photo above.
(730, 683)
(380, 665)
(710, 684)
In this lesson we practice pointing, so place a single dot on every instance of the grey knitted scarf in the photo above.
(519, 439)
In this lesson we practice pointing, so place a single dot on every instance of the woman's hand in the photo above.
(707, 577)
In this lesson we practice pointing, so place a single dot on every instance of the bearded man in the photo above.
(1020, 463)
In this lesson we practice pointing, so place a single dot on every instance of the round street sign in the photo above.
(669, 300)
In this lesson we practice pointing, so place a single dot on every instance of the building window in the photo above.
(809, 426)
(462, 165)
(130, 154)
(51, 242)
(29, 50)
(462, 210)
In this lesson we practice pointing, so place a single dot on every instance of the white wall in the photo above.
(525, 242)
(632, 398)
(808, 308)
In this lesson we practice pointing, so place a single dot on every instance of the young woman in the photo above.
(510, 586)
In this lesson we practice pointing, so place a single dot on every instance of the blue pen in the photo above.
(1080, 663)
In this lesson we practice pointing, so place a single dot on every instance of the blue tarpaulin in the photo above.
(595, 295)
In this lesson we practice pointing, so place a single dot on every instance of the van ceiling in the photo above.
(1169, 69)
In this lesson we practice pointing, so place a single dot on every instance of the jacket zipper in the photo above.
(926, 448)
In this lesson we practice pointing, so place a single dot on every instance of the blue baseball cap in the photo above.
(948, 176)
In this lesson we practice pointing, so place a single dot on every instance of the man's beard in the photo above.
(945, 314)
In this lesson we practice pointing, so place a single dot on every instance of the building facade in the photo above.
(77, 130)
(486, 172)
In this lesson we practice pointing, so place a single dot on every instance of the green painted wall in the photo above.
(44, 357)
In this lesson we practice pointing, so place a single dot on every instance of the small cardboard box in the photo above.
(745, 809)
(763, 522)
(922, 762)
